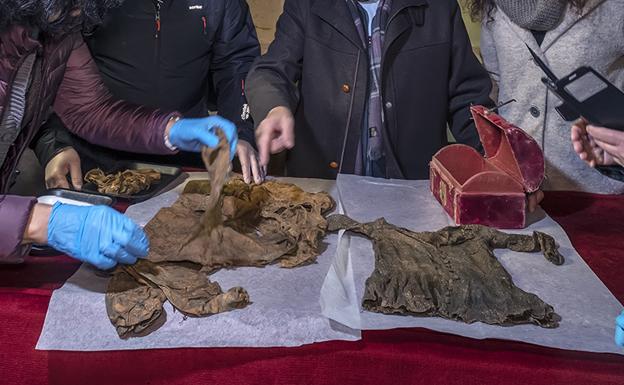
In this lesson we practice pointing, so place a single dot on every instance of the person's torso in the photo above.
(16, 46)
(416, 62)
(595, 39)
(158, 53)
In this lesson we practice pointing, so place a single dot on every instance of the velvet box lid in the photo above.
(489, 190)
(510, 149)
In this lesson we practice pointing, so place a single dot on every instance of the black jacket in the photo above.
(318, 67)
(198, 54)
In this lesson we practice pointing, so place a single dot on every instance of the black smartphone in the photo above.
(587, 93)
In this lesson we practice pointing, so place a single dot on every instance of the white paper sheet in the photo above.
(587, 307)
(285, 309)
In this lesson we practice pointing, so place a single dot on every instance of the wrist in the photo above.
(279, 110)
(167, 134)
(37, 226)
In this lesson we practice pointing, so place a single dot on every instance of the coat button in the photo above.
(346, 88)
(333, 165)
(388, 105)
(535, 112)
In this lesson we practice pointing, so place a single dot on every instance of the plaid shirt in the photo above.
(376, 120)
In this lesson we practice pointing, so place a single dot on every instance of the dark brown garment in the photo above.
(451, 273)
(235, 225)
(261, 224)
(136, 294)
(128, 182)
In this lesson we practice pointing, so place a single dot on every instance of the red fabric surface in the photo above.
(403, 356)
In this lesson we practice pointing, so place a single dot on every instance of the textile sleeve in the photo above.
(14, 216)
(469, 84)
(51, 139)
(234, 52)
(538, 241)
(89, 110)
(272, 81)
(488, 54)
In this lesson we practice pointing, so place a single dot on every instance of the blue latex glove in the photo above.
(96, 234)
(619, 330)
(192, 134)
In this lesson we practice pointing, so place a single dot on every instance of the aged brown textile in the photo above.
(261, 224)
(234, 225)
(136, 294)
(127, 182)
(451, 273)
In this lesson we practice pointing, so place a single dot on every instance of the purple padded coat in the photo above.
(68, 82)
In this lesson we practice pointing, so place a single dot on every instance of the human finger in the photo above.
(263, 141)
(288, 134)
(605, 135)
(207, 138)
(102, 262)
(75, 172)
(255, 168)
(131, 237)
(124, 257)
(57, 181)
(243, 158)
(608, 147)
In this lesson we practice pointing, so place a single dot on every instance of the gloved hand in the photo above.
(96, 234)
(619, 330)
(192, 134)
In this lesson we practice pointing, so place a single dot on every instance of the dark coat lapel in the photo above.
(336, 13)
(399, 21)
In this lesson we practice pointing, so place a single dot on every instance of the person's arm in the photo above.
(272, 83)
(15, 214)
(488, 54)
(469, 84)
(88, 109)
(54, 147)
(234, 51)
(51, 139)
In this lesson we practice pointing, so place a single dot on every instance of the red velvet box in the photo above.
(488, 190)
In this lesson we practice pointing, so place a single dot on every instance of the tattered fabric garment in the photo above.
(136, 294)
(235, 225)
(128, 182)
(451, 273)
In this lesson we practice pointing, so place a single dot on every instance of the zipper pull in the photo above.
(204, 24)
(157, 18)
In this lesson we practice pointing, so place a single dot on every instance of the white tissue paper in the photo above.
(285, 309)
(587, 307)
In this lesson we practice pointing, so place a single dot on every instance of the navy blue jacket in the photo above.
(183, 55)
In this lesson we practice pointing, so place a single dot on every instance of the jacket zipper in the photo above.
(157, 38)
(157, 4)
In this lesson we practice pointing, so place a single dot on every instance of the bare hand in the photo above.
(586, 146)
(65, 162)
(275, 133)
(610, 141)
(534, 199)
(248, 158)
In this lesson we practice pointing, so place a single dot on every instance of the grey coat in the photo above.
(595, 38)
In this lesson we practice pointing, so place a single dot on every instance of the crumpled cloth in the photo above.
(211, 226)
(452, 273)
(128, 182)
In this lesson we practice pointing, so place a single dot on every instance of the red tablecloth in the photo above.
(404, 356)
